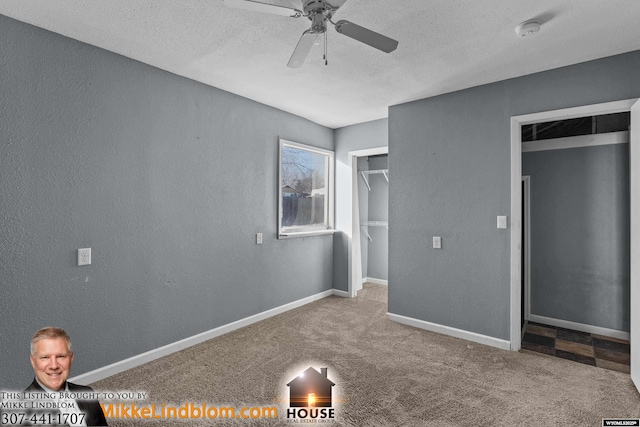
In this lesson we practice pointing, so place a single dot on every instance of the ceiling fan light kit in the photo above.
(319, 12)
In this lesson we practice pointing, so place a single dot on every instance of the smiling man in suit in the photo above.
(51, 358)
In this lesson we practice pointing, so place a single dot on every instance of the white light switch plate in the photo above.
(502, 222)
(437, 242)
(258, 238)
(84, 256)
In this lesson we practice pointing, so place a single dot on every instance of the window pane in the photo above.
(305, 182)
(303, 187)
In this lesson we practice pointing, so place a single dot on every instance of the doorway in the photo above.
(517, 223)
(356, 235)
(580, 213)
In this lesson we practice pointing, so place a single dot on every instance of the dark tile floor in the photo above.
(590, 349)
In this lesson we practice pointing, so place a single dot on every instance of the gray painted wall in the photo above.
(450, 157)
(350, 138)
(580, 234)
(166, 179)
(378, 209)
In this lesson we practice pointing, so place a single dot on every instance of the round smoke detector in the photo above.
(528, 28)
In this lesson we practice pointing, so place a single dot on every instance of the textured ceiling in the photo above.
(444, 46)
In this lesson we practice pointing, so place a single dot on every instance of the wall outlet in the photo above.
(258, 238)
(437, 242)
(502, 222)
(84, 256)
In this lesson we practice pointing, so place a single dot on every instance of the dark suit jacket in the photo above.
(91, 408)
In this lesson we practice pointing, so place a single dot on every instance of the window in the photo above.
(305, 199)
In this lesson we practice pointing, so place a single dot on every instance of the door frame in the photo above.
(526, 214)
(355, 276)
(634, 278)
(516, 201)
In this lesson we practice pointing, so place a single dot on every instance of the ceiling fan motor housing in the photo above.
(313, 5)
(318, 13)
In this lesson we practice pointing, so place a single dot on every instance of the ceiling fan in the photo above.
(319, 13)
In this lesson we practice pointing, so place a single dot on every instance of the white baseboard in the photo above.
(446, 330)
(339, 293)
(375, 281)
(590, 329)
(140, 359)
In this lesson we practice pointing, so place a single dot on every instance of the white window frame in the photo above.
(311, 230)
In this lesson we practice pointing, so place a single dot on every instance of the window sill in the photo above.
(295, 234)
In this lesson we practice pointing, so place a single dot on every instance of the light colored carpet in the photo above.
(387, 374)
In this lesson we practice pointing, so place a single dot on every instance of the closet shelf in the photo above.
(364, 174)
(366, 224)
(376, 223)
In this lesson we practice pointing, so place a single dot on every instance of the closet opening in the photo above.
(369, 207)
(373, 207)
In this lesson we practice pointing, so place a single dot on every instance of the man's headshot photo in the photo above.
(51, 358)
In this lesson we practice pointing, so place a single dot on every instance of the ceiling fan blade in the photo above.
(366, 36)
(302, 49)
(257, 6)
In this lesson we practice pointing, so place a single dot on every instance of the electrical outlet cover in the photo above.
(84, 256)
(502, 222)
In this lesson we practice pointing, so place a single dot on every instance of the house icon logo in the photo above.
(311, 391)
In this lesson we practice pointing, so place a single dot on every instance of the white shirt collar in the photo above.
(48, 390)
